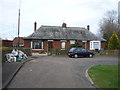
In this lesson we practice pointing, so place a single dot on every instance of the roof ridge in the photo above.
(60, 26)
(49, 26)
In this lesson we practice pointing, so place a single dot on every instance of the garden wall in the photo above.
(110, 52)
(107, 52)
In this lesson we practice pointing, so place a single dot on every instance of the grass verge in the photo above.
(104, 76)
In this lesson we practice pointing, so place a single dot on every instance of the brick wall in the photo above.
(27, 43)
(45, 45)
(88, 45)
(15, 41)
(103, 44)
(67, 44)
(56, 44)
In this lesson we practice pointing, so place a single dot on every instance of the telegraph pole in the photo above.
(19, 28)
(19, 25)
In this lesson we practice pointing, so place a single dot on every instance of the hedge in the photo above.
(58, 51)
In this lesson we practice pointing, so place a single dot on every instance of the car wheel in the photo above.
(76, 56)
(90, 55)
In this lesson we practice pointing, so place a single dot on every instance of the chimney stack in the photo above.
(88, 27)
(35, 26)
(64, 25)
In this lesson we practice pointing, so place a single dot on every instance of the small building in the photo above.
(60, 37)
(19, 41)
(7, 43)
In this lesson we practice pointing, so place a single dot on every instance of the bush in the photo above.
(75, 45)
(27, 51)
(42, 52)
(57, 51)
(3, 48)
(114, 42)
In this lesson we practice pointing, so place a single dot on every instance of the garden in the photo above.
(104, 76)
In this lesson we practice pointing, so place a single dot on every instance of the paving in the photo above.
(9, 70)
(58, 72)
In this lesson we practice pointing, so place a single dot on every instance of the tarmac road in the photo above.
(58, 72)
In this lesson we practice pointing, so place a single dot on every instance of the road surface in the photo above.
(58, 72)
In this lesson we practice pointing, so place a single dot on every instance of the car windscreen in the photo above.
(84, 50)
(72, 49)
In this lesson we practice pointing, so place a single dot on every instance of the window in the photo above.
(72, 49)
(95, 45)
(84, 50)
(37, 45)
(72, 41)
(63, 45)
(91, 45)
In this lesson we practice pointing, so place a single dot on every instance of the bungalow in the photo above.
(61, 37)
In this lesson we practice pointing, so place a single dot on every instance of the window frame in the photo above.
(63, 48)
(38, 42)
(92, 45)
(72, 41)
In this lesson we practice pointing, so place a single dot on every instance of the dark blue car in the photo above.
(79, 52)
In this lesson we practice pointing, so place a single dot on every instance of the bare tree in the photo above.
(109, 24)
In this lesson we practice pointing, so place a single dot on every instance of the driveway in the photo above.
(58, 72)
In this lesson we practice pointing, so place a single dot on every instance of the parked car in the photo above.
(79, 52)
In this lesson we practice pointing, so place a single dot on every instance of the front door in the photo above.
(50, 47)
(50, 44)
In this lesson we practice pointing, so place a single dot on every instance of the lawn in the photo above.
(104, 76)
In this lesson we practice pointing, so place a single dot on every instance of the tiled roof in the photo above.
(59, 33)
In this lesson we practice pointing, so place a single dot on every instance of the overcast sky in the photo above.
(76, 13)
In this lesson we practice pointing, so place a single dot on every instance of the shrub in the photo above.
(57, 51)
(3, 48)
(75, 45)
(42, 52)
(114, 42)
